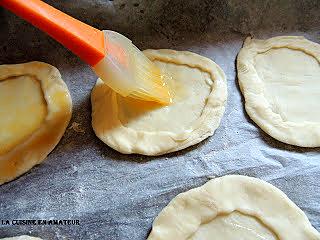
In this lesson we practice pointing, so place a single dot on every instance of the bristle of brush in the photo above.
(151, 85)
(129, 72)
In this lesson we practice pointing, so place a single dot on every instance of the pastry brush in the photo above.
(119, 63)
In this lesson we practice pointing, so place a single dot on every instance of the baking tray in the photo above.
(116, 196)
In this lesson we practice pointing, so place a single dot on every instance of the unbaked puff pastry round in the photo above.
(280, 80)
(233, 207)
(35, 109)
(133, 126)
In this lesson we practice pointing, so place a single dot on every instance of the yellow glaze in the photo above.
(22, 110)
(191, 88)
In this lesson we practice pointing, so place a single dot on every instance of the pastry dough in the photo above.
(233, 207)
(35, 108)
(280, 81)
(133, 126)
(23, 237)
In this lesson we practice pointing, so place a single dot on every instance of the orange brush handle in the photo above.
(83, 40)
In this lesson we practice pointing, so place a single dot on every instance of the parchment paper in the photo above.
(117, 196)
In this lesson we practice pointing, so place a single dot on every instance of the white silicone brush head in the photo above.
(129, 72)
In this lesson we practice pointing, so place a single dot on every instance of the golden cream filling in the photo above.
(22, 110)
(234, 226)
(190, 89)
(291, 80)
